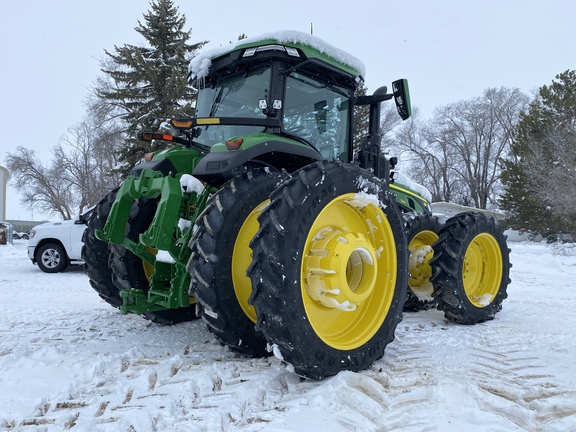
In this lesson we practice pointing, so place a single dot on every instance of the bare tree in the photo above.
(426, 159)
(85, 158)
(456, 154)
(389, 120)
(42, 187)
(79, 173)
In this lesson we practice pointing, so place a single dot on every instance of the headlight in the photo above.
(32, 234)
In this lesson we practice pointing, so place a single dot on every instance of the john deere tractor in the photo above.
(261, 218)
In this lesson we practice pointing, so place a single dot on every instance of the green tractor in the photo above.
(267, 224)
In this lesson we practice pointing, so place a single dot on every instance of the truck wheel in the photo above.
(422, 232)
(130, 271)
(471, 268)
(51, 258)
(330, 269)
(96, 253)
(220, 256)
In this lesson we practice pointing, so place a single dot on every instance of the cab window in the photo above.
(234, 96)
(318, 113)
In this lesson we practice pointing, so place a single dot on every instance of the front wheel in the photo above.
(329, 270)
(471, 268)
(51, 258)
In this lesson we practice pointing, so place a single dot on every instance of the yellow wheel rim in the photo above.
(421, 253)
(482, 270)
(241, 259)
(348, 273)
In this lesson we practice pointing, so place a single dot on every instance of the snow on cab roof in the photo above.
(200, 65)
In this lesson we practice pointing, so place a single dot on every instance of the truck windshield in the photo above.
(319, 113)
(235, 96)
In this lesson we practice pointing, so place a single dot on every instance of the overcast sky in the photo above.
(448, 50)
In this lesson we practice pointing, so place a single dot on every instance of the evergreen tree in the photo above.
(539, 175)
(147, 84)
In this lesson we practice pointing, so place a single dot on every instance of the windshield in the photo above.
(235, 96)
(318, 112)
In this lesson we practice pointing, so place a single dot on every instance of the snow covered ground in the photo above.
(68, 361)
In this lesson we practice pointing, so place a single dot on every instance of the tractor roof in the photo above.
(311, 46)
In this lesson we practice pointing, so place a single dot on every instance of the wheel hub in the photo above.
(51, 258)
(341, 269)
(420, 270)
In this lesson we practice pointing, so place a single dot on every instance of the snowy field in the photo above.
(68, 361)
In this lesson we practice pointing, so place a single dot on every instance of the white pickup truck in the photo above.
(55, 245)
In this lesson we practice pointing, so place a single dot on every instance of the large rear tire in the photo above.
(421, 232)
(329, 272)
(221, 256)
(130, 271)
(96, 253)
(471, 268)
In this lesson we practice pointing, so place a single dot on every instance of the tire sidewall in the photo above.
(96, 253)
(419, 222)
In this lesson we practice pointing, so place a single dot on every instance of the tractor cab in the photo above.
(282, 101)
(298, 96)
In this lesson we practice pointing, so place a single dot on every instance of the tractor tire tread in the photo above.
(95, 254)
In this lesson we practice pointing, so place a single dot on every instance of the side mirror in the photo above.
(402, 98)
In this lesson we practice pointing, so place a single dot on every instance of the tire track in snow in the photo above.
(522, 388)
(182, 392)
(480, 367)
(177, 389)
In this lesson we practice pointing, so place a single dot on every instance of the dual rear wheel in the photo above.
(326, 257)
(329, 270)
(471, 268)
